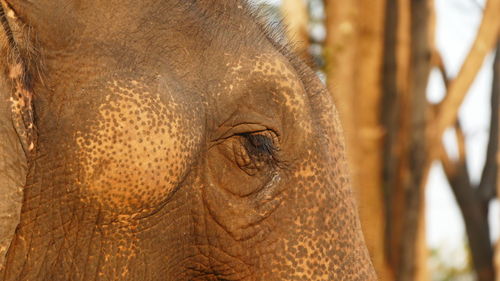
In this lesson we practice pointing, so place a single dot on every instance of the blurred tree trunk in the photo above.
(408, 41)
(378, 80)
(395, 103)
(354, 51)
(413, 177)
(296, 19)
(368, 129)
(340, 53)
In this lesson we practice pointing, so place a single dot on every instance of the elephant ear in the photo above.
(12, 172)
(13, 156)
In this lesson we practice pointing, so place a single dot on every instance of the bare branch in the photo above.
(437, 61)
(459, 132)
(489, 177)
(472, 208)
(449, 166)
(484, 42)
(471, 204)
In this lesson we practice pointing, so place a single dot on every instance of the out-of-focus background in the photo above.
(416, 83)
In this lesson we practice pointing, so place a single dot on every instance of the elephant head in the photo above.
(167, 140)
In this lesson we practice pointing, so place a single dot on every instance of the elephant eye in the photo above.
(259, 145)
(256, 151)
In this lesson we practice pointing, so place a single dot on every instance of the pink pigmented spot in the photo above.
(11, 14)
(22, 108)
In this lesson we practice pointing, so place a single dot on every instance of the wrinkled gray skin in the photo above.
(166, 140)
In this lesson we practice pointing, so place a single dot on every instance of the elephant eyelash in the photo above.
(261, 146)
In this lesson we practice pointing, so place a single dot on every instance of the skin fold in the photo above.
(167, 140)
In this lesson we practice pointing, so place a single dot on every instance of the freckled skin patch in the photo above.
(132, 157)
(212, 157)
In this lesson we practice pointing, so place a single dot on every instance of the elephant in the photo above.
(167, 140)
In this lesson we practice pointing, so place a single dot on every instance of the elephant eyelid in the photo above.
(244, 129)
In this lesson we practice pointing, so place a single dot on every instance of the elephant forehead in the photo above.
(279, 71)
(270, 69)
(136, 152)
(265, 83)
